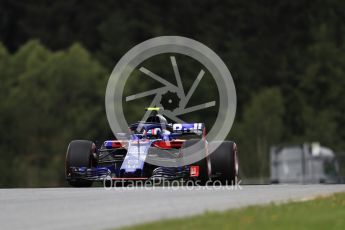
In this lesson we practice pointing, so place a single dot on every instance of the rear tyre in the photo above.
(224, 163)
(204, 167)
(79, 154)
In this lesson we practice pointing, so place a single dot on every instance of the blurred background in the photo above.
(287, 59)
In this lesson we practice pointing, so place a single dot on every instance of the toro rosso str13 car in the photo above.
(127, 160)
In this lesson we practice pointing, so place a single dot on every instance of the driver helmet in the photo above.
(154, 132)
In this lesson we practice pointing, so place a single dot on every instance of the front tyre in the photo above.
(224, 163)
(79, 154)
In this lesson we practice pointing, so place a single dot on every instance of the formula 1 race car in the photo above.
(128, 159)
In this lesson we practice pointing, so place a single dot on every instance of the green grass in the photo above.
(321, 213)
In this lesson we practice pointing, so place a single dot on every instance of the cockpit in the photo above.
(155, 127)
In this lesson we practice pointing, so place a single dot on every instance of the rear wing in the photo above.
(189, 128)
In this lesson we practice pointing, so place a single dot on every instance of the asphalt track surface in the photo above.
(96, 208)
